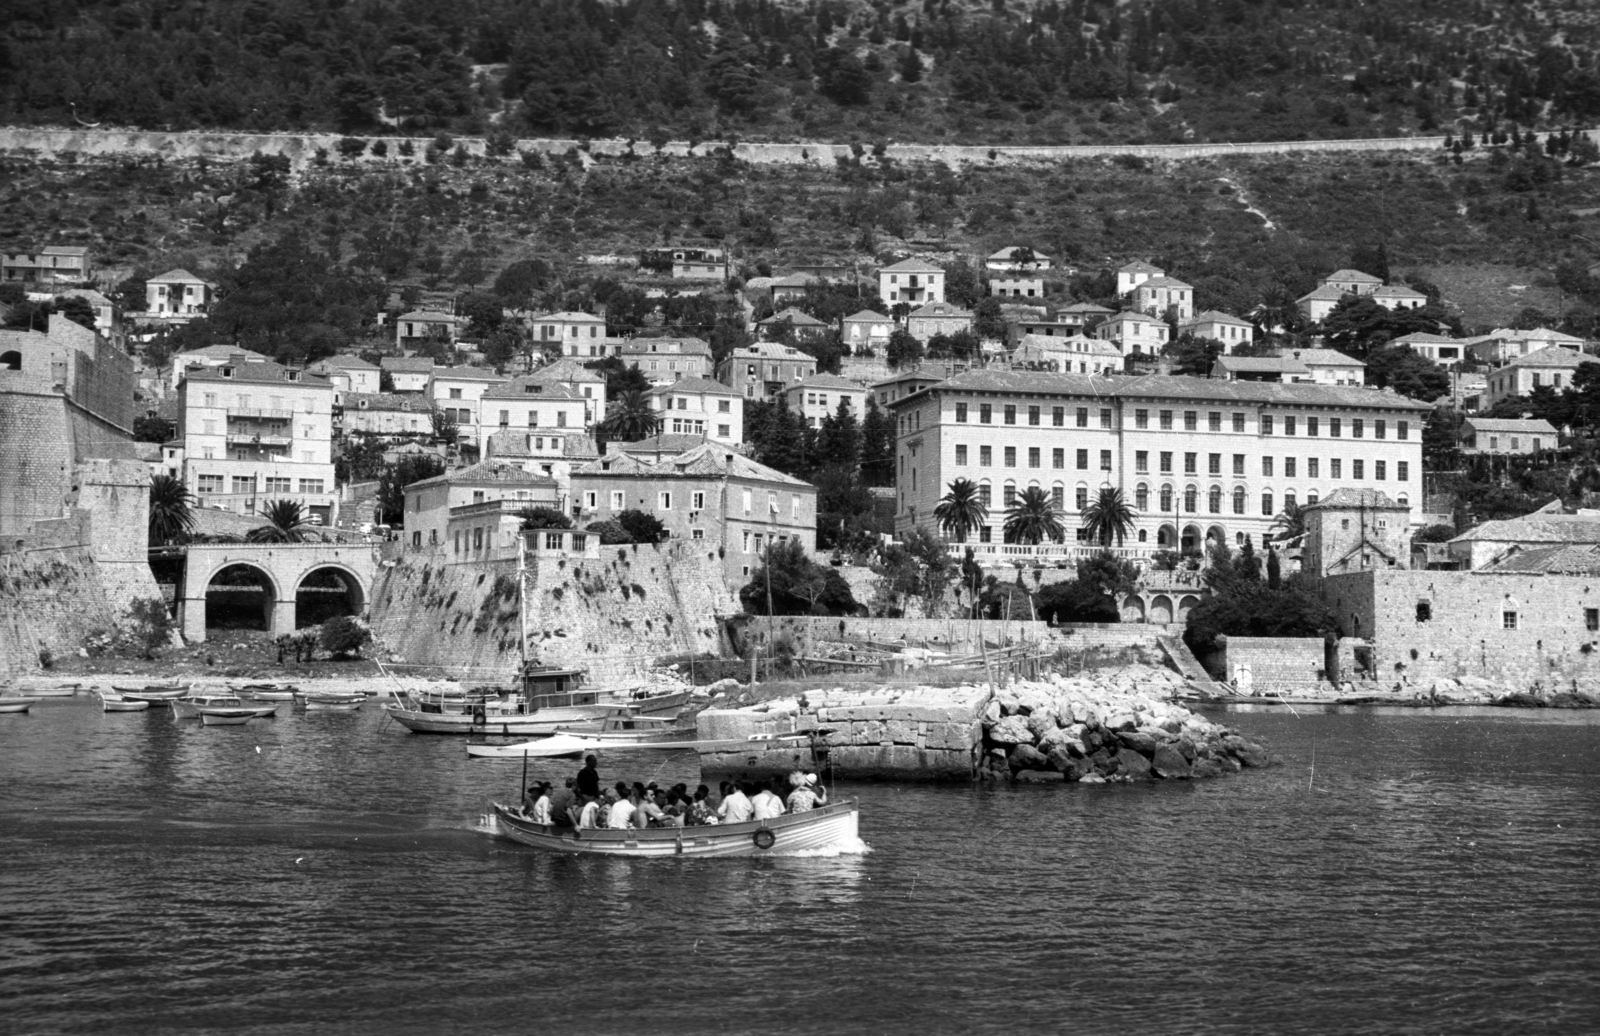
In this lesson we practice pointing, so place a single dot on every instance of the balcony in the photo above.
(264, 415)
(1044, 553)
(255, 439)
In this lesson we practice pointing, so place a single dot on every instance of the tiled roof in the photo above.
(770, 351)
(912, 266)
(1262, 364)
(1159, 386)
(1353, 275)
(1564, 559)
(1347, 496)
(1084, 308)
(528, 386)
(1071, 344)
(940, 309)
(1323, 293)
(707, 460)
(467, 374)
(932, 370)
(565, 369)
(1396, 291)
(408, 364)
(222, 352)
(1326, 358)
(429, 316)
(703, 386)
(1424, 338)
(346, 362)
(178, 276)
(489, 472)
(1536, 528)
(1551, 356)
(89, 295)
(826, 381)
(1215, 316)
(1009, 252)
(569, 317)
(795, 317)
(1163, 282)
(794, 280)
(575, 445)
(387, 401)
(63, 250)
(1511, 425)
(660, 444)
(1140, 266)
(686, 347)
(869, 315)
(264, 372)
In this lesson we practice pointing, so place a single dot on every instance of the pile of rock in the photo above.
(1116, 727)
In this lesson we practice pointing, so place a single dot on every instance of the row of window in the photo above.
(724, 406)
(697, 501)
(1141, 460)
(533, 419)
(1167, 497)
(1291, 424)
(247, 484)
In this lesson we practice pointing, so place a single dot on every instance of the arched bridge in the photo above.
(273, 586)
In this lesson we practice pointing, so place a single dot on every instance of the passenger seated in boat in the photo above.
(589, 815)
(540, 813)
(529, 797)
(620, 809)
(650, 813)
(803, 799)
(765, 805)
(589, 779)
(562, 801)
(735, 807)
(817, 789)
(700, 812)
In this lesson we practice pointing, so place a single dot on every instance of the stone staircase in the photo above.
(1187, 665)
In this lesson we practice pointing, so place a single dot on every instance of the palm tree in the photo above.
(1032, 518)
(171, 516)
(1290, 524)
(1108, 517)
(961, 510)
(630, 418)
(1278, 313)
(286, 523)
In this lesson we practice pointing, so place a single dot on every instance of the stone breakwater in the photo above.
(1093, 730)
(1115, 726)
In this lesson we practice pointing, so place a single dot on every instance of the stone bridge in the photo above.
(277, 579)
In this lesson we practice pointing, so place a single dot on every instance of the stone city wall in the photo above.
(1517, 631)
(1284, 665)
(53, 600)
(301, 148)
(613, 616)
(960, 636)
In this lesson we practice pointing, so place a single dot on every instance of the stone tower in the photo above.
(1352, 530)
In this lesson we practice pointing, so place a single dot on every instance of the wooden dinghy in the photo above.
(792, 832)
(112, 702)
(17, 704)
(333, 701)
(65, 690)
(223, 716)
(267, 691)
(155, 694)
(197, 706)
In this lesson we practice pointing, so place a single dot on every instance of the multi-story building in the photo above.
(912, 281)
(709, 495)
(867, 330)
(763, 370)
(1319, 301)
(257, 431)
(1134, 334)
(1285, 369)
(1551, 366)
(178, 296)
(1398, 296)
(1196, 459)
(1507, 437)
(383, 415)
(347, 373)
(938, 318)
(1505, 344)
(51, 266)
(819, 396)
(473, 513)
(424, 326)
(700, 406)
(579, 380)
(913, 380)
(209, 356)
(700, 264)
(665, 360)
(1163, 296)
(526, 403)
(575, 334)
(551, 453)
(804, 326)
(1438, 349)
(1219, 327)
(408, 373)
(1134, 274)
(1064, 322)
(456, 392)
(1330, 366)
(1075, 355)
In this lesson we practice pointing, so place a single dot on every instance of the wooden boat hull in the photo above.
(545, 721)
(17, 704)
(113, 705)
(332, 705)
(656, 704)
(789, 833)
(271, 695)
(52, 692)
(560, 745)
(226, 717)
(154, 697)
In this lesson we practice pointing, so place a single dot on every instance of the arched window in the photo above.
(1011, 493)
(1288, 500)
(1166, 498)
(1404, 501)
(1141, 497)
(1143, 535)
(1238, 500)
(1214, 501)
(1191, 499)
(1311, 498)
(11, 361)
(985, 494)
(1266, 504)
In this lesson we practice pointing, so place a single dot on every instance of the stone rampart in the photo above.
(1282, 665)
(301, 148)
(613, 616)
(960, 636)
(53, 600)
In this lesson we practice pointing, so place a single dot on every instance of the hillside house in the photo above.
(867, 330)
(700, 407)
(938, 318)
(763, 370)
(1164, 296)
(575, 334)
(580, 381)
(51, 266)
(806, 327)
(1134, 334)
(1503, 437)
(819, 396)
(665, 360)
(1552, 366)
(1231, 331)
(1505, 344)
(473, 513)
(1437, 349)
(912, 281)
(1282, 369)
(457, 391)
(408, 373)
(422, 326)
(1330, 366)
(1075, 355)
(178, 296)
(1134, 274)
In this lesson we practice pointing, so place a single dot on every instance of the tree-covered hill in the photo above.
(1062, 71)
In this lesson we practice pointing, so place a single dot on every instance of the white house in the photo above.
(700, 406)
(913, 281)
(818, 396)
(178, 296)
(1133, 333)
(1222, 327)
(1136, 273)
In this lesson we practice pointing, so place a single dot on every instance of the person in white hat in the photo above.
(804, 798)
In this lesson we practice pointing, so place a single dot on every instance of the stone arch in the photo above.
(1217, 534)
(1161, 609)
(1185, 605)
(325, 591)
(11, 360)
(1191, 539)
(239, 595)
(1167, 536)
(1133, 609)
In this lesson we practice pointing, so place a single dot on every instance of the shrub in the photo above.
(1435, 534)
(610, 532)
(148, 627)
(642, 527)
(345, 636)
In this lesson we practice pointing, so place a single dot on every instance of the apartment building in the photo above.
(1219, 327)
(763, 370)
(576, 334)
(384, 415)
(526, 403)
(1136, 273)
(579, 380)
(51, 266)
(702, 407)
(257, 431)
(457, 391)
(348, 373)
(1197, 459)
(178, 296)
(818, 397)
(1551, 366)
(1134, 334)
(912, 281)
(665, 360)
(1330, 366)
(1159, 296)
(473, 512)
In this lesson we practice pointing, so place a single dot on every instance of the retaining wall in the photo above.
(1284, 665)
(960, 636)
(54, 599)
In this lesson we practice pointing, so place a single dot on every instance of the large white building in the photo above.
(1550, 367)
(457, 392)
(700, 406)
(1197, 459)
(257, 431)
(912, 281)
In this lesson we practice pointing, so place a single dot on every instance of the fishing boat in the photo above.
(155, 694)
(633, 730)
(60, 690)
(196, 706)
(267, 691)
(224, 716)
(17, 704)
(113, 702)
(334, 701)
(791, 832)
(552, 697)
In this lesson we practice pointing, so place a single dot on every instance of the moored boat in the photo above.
(60, 690)
(266, 691)
(561, 745)
(633, 730)
(333, 701)
(113, 702)
(155, 694)
(196, 706)
(222, 716)
(792, 832)
(17, 704)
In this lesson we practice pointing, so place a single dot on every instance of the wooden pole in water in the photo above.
(523, 790)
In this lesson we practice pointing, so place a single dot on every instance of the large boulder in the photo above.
(1042, 722)
(1059, 759)
(1123, 721)
(1012, 730)
(1169, 762)
(1103, 763)
(1139, 740)
(1132, 764)
(991, 713)
(1038, 777)
(1027, 757)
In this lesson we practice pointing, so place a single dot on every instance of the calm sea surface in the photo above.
(325, 873)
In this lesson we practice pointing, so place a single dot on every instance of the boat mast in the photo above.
(522, 600)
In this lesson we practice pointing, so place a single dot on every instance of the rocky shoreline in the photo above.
(1118, 727)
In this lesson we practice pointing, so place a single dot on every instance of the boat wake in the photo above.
(848, 847)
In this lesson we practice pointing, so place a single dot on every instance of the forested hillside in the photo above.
(1005, 71)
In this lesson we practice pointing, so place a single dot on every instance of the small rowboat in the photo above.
(17, 704)
(816, 829)
(197, 706)
(334, 701)
(65, 690)
(110, 702)
(222, 716)
(155, 694)
(286, 694)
